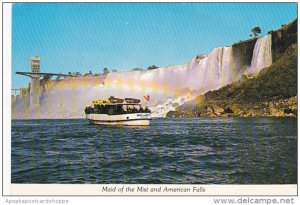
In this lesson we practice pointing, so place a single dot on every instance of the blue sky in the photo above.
(82, 37)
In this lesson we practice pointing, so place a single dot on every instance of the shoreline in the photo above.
(212, 117)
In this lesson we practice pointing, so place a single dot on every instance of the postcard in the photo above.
(150, 99)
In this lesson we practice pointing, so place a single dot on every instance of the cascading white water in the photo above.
(67, 98)
(212, 71)
(262, 55)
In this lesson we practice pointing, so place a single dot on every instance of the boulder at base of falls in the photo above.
(274, 108)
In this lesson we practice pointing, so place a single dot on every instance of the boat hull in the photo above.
(134, 119)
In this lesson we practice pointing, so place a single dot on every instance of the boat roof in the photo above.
(109, 102)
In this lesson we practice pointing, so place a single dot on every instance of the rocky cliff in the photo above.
(283, 38)
(224, 65)
(272, 93)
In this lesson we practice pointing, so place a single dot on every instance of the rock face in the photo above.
(275, 108)
(283, 38)
(243, 52)
(273, 92)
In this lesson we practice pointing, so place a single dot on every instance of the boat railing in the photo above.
(111, 111)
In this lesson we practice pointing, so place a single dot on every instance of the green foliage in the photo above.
(105, 71)
(255, 31)
(152, 67)
(45, 79)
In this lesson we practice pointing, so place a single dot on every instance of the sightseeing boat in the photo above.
(117, 111)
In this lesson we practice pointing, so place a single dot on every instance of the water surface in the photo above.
(169, 151)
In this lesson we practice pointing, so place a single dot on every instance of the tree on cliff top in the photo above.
(105, 71)
(152, 67)
(255, 31)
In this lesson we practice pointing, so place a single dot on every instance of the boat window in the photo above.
(110, 111)
(97, 109)
(135, 110)
(129, 108)
(117, 109)
(141, 109)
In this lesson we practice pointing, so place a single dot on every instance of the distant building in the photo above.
(35, 82)
(35, 64)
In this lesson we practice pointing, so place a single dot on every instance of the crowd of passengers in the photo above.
(116, 109)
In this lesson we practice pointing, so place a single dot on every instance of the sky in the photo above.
(79, 37)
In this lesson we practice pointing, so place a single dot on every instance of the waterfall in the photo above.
(262, 55)
(67, 98)
(211, 72)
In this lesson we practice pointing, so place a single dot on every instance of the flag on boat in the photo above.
(147, 97)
